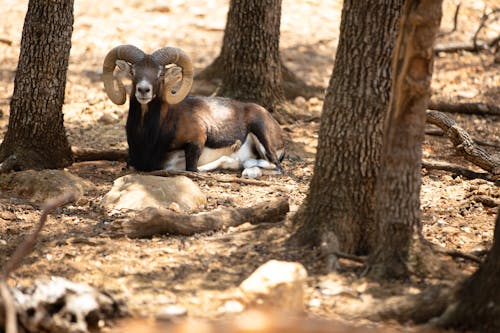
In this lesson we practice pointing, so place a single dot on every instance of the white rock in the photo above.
(137, 192)
(276, 284)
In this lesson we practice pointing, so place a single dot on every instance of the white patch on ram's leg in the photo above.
(224, 162)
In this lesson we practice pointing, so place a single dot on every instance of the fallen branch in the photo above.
(90, 154)
(467, 108)
(458, 254)
(153, 221)
(486, 200)
(209, 177)
(456, 169)
(20, 253)
(464, 144)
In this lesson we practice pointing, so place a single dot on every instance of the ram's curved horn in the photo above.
(113, 86)
(173, 55)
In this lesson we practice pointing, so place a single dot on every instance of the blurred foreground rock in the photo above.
(137, 192)
(276, 284)
(59, 305)
(38, 186)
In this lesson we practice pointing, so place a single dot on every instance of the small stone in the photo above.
(171, 311)
(232, 306)
(299, 101)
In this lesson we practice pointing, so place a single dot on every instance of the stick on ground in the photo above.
(153, 221)
(464, 144)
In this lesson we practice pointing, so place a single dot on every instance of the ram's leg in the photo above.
(193, 152)
(224, 162)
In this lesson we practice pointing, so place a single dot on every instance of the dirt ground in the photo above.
(199, 272)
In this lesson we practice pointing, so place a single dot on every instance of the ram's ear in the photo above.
(123, 70)
(172, 75)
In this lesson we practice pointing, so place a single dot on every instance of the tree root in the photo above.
(153, 221)
(464, 144)
(90, 154)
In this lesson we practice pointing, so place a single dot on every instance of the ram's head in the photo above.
(151, 74)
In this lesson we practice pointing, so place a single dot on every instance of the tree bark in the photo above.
(341, 196)
(36, 136)
(398, 187)
(478, 300)
(249, 63)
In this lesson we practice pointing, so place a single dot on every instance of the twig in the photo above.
(466, 108)
(486, 200)
(458, 254)
(206, 177)
(21, 252)
(482, 23)
(457, 169)
(5, 41)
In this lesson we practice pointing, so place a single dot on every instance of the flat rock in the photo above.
(137, 192)
(38, 186)
(276, 284)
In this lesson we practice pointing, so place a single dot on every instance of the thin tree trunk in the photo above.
(250, 52)
(398, 187)
(36, 137)
(341, 198)
(249, 64)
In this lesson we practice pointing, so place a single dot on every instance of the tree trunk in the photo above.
(249, 64)
(478, 305)
(398, 187)
(36, 137)
(341, 199)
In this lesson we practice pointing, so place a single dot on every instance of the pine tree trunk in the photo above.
(36, 137)
(341, 199)
(478, 306)
(398, 187)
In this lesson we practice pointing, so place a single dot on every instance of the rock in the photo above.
(38, 186)
(170, 312)
(108, 118)
(276, 284)
(59, 305)
(300, 102)
(137, 192)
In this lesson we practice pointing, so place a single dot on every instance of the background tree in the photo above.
(398, 187)
(249, 63)
(341, 198)
(35, 136)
